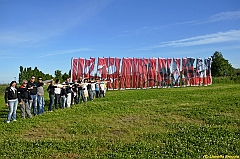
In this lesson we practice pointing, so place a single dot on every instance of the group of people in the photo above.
(30, 95)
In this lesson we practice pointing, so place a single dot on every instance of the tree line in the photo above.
(27, 72)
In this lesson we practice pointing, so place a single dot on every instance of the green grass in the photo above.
(155, 123)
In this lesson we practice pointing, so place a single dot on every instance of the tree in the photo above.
(221, 66)
(65, 76)
(58, 75)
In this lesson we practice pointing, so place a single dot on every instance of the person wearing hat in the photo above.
(40, 96)
(11, 100)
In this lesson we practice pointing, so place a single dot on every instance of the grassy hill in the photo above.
(163, 123)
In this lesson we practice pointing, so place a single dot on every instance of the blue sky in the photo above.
(48, 33)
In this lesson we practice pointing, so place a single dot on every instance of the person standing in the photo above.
(63, 97)
(57, 92)
(32, 86)
(74, 93)
(93, 85)
(11, 100)
(50, 90)
(25, 98)
(40, 96)
(97, 89)
(80, 91)
(89, 89)
(69, 92)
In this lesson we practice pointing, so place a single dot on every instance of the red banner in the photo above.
(102, 68)
(144, 74)
(184, 71)
(139, 73)
(190, 68)
(169, 61)
(86, 68)
(80, 67)
(111, 71)
(162, 72)
(151, 72)
(123, 74)
(134, 73)
(128, 73)
(117, 73)
(91, 67)
(74, 68)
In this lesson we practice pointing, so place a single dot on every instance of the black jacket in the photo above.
(11, 95)
(51, 89)
(34, 85)
(24, 93)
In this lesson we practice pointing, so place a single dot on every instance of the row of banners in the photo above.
(132, 73)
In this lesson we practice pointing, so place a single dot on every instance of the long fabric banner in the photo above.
(142, 73)
(80, 67)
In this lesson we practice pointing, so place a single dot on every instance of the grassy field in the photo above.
(192, 122)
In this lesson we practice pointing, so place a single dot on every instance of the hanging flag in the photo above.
(209, 73)
(145, 74)
(128, 73)
(105, 68)
(86, 68)
(123, 74)
(111, 71)
(176, 72)
(117, 73)
(151, 72)
(190, 68)
(199, 71)
(169, 61)
(139, 73)
(134, 72)
(205, 81)
(80, 67)
(102, 68)
(74, 68)
(91, 67)
(162, 72)
(184, 71)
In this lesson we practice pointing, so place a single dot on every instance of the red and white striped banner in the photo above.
(134, 72)
(184, 71)
(144, 74)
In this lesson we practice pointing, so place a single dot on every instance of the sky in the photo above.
(46, 34)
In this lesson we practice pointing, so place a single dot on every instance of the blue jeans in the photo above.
(90, 94)
(12, 105)
(63, 102)
(51, 96)
(41, 103)
(34, 104)
(57, 100)
(81, 94)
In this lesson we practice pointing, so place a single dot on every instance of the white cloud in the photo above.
(63, 52)
(229, 36)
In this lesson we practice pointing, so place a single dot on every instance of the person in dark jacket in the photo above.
(11, 100)
(32, 86)
(50, 91)
(25, 98)
(63, 97)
